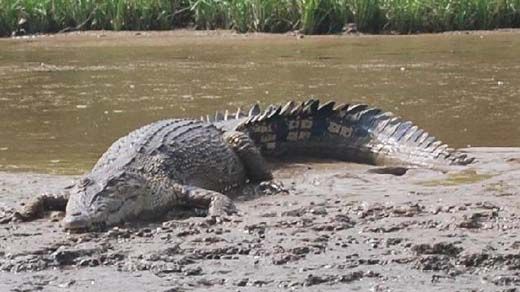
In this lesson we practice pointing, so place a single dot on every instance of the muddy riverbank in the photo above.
(339, 228)
(171, 36)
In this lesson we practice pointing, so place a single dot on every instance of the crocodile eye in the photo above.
(85, 182)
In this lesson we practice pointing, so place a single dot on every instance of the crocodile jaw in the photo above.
(80, 217)
(75, 222)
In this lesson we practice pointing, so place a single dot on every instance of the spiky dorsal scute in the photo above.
(370, 132)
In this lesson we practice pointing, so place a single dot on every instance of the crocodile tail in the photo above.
(356, 133)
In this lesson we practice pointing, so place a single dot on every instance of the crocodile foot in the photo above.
(36, 207)
(221, 206)
(216, 203)
(265, 188)
(6, 215)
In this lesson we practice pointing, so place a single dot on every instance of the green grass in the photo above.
(323, 16)
(307, 16)
(264, 15)
(367, 14)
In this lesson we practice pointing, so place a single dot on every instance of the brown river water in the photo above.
(64, 99)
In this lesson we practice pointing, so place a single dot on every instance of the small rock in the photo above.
(67, 284)
(193, 271)
(242, 282)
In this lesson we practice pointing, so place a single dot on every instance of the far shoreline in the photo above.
(231, 34)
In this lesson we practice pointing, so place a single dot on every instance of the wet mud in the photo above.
(341, 226)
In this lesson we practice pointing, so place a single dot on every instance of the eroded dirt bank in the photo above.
(339, 228)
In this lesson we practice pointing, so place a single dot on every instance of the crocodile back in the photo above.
(188, 151)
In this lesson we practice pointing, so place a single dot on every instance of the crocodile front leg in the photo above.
(166, 192)
(217, 204)
(37, 206)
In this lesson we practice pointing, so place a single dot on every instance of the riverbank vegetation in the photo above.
(307, 16)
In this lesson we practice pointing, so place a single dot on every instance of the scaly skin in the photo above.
(174, 162)
(161, 165)
(356, 133)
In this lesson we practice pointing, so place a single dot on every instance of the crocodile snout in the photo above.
(75, 221)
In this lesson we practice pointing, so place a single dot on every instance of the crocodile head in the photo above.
(97, 201)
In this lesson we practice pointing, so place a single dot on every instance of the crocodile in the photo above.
(197, 163)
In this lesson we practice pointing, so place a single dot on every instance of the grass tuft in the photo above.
(307, 16)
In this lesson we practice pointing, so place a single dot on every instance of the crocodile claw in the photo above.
(265, 188)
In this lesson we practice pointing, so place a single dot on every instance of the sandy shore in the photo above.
(340, 228)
